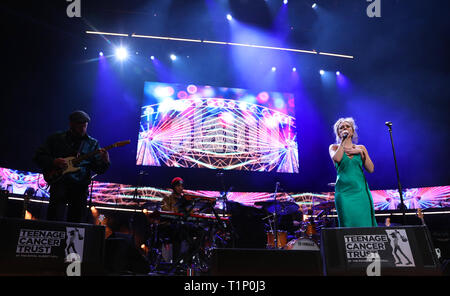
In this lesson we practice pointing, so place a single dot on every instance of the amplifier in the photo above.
(33, 247)
(400, 250)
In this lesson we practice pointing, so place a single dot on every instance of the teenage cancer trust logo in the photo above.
(38, 243)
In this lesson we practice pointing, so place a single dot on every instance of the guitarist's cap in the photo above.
(79, 117)
(176, 181)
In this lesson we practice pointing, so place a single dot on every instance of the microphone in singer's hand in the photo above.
(344, 135)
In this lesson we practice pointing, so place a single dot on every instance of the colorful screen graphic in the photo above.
(106, 193)
(194, 126)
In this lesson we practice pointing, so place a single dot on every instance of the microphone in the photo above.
(388, 123)
(344, 135)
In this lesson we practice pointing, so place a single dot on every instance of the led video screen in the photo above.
(195, 126)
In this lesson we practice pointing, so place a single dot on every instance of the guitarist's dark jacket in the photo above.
(65, 144)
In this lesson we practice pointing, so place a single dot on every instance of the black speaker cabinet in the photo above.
(265, 262)
(400, 250)
(32, 247)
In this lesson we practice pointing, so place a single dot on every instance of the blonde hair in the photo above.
(352, 123)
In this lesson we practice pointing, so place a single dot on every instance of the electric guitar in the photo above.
(53, 175)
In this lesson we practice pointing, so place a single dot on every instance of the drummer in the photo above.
(175, 202)
(180, 232)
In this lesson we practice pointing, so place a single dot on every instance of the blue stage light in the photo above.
(294, 69)
(274, 69)
(338, 73)
(121, 53)
(314, 5)
(285, 1)
(152, 58)
(100, 53)
(229, 17)
(173, 57)
(322, 72)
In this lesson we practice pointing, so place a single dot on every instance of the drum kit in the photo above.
(203, 232)
(303, 234)
(182, 241)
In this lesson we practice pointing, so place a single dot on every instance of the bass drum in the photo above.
(303, 243)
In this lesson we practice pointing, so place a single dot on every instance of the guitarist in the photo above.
(71, 188)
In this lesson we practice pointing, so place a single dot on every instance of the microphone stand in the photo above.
(402, 204)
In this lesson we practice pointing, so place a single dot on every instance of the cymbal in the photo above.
(280, 207)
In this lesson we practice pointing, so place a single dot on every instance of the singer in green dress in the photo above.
(353, 200)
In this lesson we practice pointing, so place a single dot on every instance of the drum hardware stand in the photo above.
(223, 195)
(135, 196)
(224, 201)
(402, 204)
(90, 197)
(275, 222)
(192, 256)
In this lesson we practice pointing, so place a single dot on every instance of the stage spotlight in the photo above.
(274, 69)
(173, 57)
(229, 17)
(338, 73)
(100, 53)
(322, 72)
(121, 53)
(314, 5)
(285, 1)
(294, 69)
(152, 58)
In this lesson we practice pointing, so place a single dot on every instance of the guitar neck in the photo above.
(90, 154)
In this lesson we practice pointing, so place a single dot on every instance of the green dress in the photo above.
(354, 203)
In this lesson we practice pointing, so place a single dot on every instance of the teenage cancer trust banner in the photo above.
(45, 247)
(378, 251)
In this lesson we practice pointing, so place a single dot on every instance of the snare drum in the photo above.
(282, 239)
(302, 243)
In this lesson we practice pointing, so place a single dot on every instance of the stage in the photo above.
(222, 143)
(129, 242)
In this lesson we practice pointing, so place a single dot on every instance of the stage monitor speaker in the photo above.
(33, 247)
(400, 250)
(265, 262)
